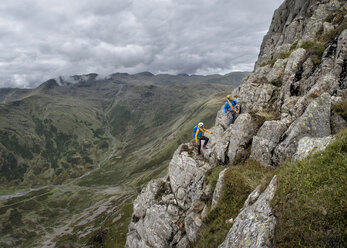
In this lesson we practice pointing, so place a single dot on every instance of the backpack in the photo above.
(194, 130)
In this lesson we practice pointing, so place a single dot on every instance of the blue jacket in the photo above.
(227, 106)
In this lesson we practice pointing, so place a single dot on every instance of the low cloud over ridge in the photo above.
(44, 39)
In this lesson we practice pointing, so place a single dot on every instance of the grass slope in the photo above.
(239, 181)
(310, 202)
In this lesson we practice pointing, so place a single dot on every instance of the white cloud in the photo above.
(45, 39)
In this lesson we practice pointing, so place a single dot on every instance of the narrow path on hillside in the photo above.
(100, 164)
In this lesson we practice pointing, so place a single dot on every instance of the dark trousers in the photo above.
(199, 143)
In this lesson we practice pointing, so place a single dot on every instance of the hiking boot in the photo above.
(200, 155)
(205, 147)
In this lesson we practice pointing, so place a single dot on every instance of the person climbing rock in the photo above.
(232, 109)
(198, 134)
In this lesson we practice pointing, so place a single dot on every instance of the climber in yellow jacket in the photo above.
(198, 134)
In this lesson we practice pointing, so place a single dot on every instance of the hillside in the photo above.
(45, 130)
(75, 150)
(265, 182)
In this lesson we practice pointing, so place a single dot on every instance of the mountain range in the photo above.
(84, 134)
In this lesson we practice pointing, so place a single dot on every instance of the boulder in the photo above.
(187, 177)
(221, 119)
(277, 70)
(148, 196)
(309, 145)
(217, 146)
(192, 223)
(315, 122)
(294, 59)
(242, 132)
(255, 225)
(154, 229)
(169, 210)
(218, 189)
(266, 140)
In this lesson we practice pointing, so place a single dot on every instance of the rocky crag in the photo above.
(286, 113)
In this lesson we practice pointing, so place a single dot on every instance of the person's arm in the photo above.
(225, 108)
(232, 106)
(207, 130)
(237, 107)
(196, 135)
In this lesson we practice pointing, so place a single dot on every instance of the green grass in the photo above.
(277, 83)
(118, 226)
(310, 202)
(156, 150)
(65, 132)
(314, 50)
(239, 182)
(340, 108)
(30, 216)
(282, 55)
(261, 116)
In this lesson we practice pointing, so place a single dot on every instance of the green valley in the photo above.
(75, 152)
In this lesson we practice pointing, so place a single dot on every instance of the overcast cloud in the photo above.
(41, 39)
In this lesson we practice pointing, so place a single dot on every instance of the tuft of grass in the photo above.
(262, 116)
(277, 83)
(282, 55)
(310, 202)
(315, 50)
(340, 21)
(239, 182)
(340, 108)
(330, 17)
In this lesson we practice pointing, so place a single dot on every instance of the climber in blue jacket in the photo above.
(231, 108)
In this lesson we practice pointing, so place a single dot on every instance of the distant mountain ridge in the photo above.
(233, 78)
(86, 102)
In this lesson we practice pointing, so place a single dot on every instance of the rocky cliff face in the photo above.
(286, 113)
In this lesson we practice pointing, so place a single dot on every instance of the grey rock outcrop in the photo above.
(315, 122)
(266, 140)
(308, 145)
(218, 189)
(218, 144)
(221, 119)
(292, 22)
(171, 204)
(255, 225)
(242, 133)
(151, 225)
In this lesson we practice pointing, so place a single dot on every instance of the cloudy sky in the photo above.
(42, 39)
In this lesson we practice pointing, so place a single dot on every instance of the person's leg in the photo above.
(233, 116)
(230, 116)
(199, 146)
(206, 140)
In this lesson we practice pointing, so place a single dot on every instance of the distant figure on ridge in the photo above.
(232, 109)
(198, 134)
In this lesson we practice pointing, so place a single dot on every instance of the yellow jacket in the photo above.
(200, 132)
